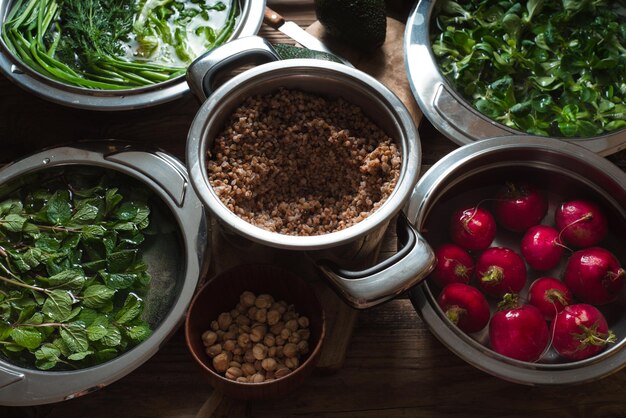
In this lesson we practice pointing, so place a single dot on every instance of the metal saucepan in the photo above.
(447, 110)
(472, 173)
(248, 23)
(331, 252)
(175, 255)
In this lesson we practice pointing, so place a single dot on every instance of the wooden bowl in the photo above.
(221, 294)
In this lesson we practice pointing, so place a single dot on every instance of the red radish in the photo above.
(465, 306)
(580, 331)
(518, 332)
(500, 270)
(550, 295)
(594, 275)
(473, 228)
(541, 247)
(582, 223)
(454, 265)
(519, 206)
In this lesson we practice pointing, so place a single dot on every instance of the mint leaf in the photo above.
(85, 214)
(133, 306)
(58, 306)
(74, 336)
(139, 333)
(58, 208)
(113, 337)
(119, 261)
(96, 332)
(79, 356)
(97, 296)
(68, 279)
(119, 280)
(13, 222)
(27, 337)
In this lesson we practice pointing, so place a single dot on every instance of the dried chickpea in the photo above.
(263, 301)
(303, 321)
(229, 345)
(261, 315)
(269, 340)
(209, 338)
(271, 352)
(224, 320)
(292, 325)
(269, 364)
(248, 369)
(247, 299)
(282, 371)
(243, 340)
(257, 378)
(292, 362)
(234, 313)
(233, 373)
(304, 334)
(241, 308)
(242, 320)
(214, 350)
(238, 358)
(257, 333)
(242, 379)
(220, 362)
(294, 338)
(277, 328)
(248, 356)
(252, 312)
(259, 351)
(290, 350)
(273, 316)
(285, 333)
(214, 326)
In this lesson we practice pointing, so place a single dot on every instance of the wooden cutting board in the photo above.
(385, 64)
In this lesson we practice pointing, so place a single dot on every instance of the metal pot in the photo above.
(470, 174)
(447, 110)
(330, 251)
(21, 74)
(175, 256)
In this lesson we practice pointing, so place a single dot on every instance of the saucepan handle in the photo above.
(202, 73)
(410, 265)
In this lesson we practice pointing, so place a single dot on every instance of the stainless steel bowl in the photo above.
(564, 170)
(248, 23)
(328, 79)
(447, 110)
(175, 256)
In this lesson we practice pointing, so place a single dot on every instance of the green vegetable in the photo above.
(90, 43)
(361, 24)
(551, 68)
(71, 271)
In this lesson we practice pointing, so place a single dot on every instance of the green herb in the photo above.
(71, 271)
(551, 68)
(88, 43)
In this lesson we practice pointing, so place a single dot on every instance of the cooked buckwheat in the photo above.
(299, 164)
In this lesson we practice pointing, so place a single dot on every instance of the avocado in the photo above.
(361, 24)
(287, 51)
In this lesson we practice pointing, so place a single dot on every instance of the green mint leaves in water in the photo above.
(71, 271)
(550, 68)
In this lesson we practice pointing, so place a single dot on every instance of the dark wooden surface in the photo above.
(394, 366)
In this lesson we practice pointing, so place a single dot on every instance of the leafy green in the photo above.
(70, 276)
(91, 43)
(547, 68)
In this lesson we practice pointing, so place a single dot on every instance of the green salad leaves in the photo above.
(115, 44)
(71, 271)
(550, 68)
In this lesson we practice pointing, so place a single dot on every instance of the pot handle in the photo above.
(366, 288)
(202, 73)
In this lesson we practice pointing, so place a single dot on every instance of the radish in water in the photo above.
(549, 295)
(580, 331)
(500, 270)
(541, 247)
(473, 228)
(518, 332)
(594, 275)
(454, 265)
(519, 206)
(582, 223)
(465, 306)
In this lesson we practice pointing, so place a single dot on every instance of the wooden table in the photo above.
(394, 366)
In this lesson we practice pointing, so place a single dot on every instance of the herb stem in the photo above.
(24, 285)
